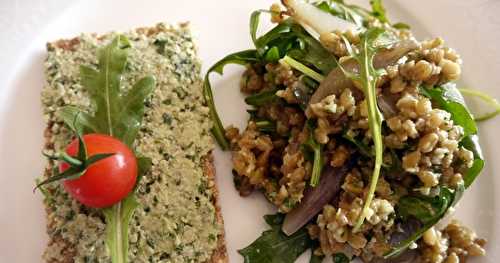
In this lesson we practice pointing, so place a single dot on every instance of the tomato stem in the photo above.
(70, 160)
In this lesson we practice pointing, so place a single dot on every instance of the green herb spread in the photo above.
(176, 220)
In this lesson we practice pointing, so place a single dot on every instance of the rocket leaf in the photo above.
(118, 113)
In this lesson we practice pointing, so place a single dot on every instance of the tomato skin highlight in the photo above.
(107, 181)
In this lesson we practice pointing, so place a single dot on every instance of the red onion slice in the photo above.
(315, 198)
(387, 105)
(336, 81)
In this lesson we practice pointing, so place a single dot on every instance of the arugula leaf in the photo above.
(117, 219)
(272, 55)
(115, 114)
(72, 115)
(473, 172)
(289, 38)
(275, 220)
(266, 126)
(262, 97)
(351, 13)
(118, 114)
(424, 208)
(449, 99)
(340, 258)
(356, 14)
(371, 41)
(144, 165)
(428, 210)
(471, 143)
(312, 52)
(132, 108)
(303, 68)
(315, 258)
(363, 148)
(401, 25)
(239, 58)
(315, 150)
(378, 10)
(274, 246)
(254, 23)
(280, 36)
(486, 98)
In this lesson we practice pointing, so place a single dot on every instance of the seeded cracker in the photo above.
(178, 219)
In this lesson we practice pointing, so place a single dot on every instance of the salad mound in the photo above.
(357, 133)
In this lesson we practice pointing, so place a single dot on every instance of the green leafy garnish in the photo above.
(378, 10)
(471, 143)
(358, 15)
(266, 126)
(340, 258)
(351, 13)
(428, 210)
(371, 41)
(272, 55)
(118, 114)
(239, 58)
(274, 246)
(254, 23)
(117, 221)
(286, 39)
(315, 258)
(289, 38)
(486, 98)
(313, 149)
(144, 164)
(401, 25)
(311, 52)
(262, 98)
(303, 68)
(448, 98)
(363, 148)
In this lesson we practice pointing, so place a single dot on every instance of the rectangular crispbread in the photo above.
(65, 215)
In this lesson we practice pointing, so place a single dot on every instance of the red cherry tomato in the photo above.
(107, 181)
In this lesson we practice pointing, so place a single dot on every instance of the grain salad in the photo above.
(357, 133)
(178, 219)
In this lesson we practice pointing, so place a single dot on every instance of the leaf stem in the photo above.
(261, 98)
(486, 98)
(265, 126)
(317, 166)
(302, 68)
(217, 128)
(375, 121)
(119, 234)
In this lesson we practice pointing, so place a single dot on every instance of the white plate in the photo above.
(221, 27)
